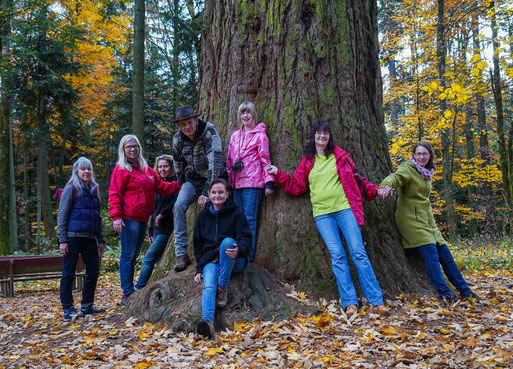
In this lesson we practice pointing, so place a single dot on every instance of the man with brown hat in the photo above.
(198, 159)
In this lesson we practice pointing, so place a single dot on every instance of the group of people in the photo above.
(225, 230)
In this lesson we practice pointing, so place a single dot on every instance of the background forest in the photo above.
(67, 81)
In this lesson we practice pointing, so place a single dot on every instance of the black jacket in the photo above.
(163, 205)
(211, 229)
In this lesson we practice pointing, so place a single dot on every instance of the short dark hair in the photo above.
(432, 157)
(216, 181)
(310, 150)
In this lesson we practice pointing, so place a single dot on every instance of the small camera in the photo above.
(238, 165)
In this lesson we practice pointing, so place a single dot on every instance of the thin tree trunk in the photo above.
(441, 52)
(7, 235)
(27, 228)
(503, 142)
(138, 70)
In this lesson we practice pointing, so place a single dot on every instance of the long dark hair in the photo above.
(431, 162)
(310, 150)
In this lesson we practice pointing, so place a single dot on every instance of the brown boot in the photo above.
(181, 263)
(206, 329)
(351, 310)
(222, 296)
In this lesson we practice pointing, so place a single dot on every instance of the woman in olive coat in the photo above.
(415, 221)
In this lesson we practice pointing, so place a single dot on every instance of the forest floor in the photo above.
(420, 333)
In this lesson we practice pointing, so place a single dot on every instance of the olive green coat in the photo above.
(414, 216)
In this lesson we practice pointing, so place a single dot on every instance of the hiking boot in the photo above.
(222, 296)
(206, 329)
(381, 310)
(69, 314)
(450, 299)
(181, 263)
(90, 310)
(472, 297)
(351, 310)
(124, 300)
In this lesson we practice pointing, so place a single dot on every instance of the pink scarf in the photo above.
(427, 174)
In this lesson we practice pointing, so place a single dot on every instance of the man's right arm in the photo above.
(178, 160)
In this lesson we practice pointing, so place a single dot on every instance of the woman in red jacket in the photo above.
(329, 173)
(133, 185)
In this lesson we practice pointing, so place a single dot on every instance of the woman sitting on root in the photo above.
(222, 240)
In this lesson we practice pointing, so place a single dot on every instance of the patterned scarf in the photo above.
(427, 174)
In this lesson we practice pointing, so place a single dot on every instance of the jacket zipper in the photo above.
(217, 223)
(416, 217)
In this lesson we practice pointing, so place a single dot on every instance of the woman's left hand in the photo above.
(101, 249)
(233, 253)
(198, 277)
(268, 192)
(271, 169)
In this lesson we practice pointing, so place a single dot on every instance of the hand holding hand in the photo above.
(198, 278)
(385, 192)
(118, 225)
(233, 253)
(202, 200)
(63, 248)
(271, 169)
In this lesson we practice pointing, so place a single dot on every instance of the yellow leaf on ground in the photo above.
(213, 351)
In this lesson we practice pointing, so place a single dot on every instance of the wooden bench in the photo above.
(32, 268)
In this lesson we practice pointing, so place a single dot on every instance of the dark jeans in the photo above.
(151, 257)
(433, 256)
(248, 199)
(88, 248)
(132, 238)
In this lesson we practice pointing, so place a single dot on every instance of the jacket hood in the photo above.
(228, 206)
(260, 127)
(340, 152)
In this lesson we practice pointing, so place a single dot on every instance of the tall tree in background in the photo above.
(300, 62)
(138, 71)
(6, 219)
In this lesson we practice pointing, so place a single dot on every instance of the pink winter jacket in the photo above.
(253, 149)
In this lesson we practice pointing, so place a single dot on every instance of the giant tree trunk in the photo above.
(301, 61)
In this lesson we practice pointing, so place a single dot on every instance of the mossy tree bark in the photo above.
(301, 61)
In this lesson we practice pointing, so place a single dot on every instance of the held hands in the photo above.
(118, 225)
(63, 248)
(198, 278)
(233, 253)
(202, 200)
(385, 192)
(271, 169)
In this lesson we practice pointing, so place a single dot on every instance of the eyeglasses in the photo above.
(132, 147)
(421, 154)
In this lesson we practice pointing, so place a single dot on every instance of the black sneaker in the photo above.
(69, 314)
(472, 296)
(90, 310)
(206, 329)
(124, 300)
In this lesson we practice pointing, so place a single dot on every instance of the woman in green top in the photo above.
(415, 221)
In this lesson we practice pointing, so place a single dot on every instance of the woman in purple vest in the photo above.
(80, 232)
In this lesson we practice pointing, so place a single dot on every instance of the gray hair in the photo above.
(75, 180)
(123, 160)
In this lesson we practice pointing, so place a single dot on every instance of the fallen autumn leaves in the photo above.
(420, 334)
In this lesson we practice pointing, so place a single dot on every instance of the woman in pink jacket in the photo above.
(336, 197)
(248, 154)
(131, 193)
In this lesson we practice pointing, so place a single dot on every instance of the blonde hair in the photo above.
(169, 160)
(248, 106)
(123, 160)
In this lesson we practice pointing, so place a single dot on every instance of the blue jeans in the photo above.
(88, 248)
(329, 226)
(186, 197)
(248, 199)
(151, 257)
(218, 274)
(433, 256)
(132, 238)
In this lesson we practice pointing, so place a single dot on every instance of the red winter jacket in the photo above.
(131, 193)
(349, 178)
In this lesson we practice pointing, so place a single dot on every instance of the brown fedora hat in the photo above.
(185, 112)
